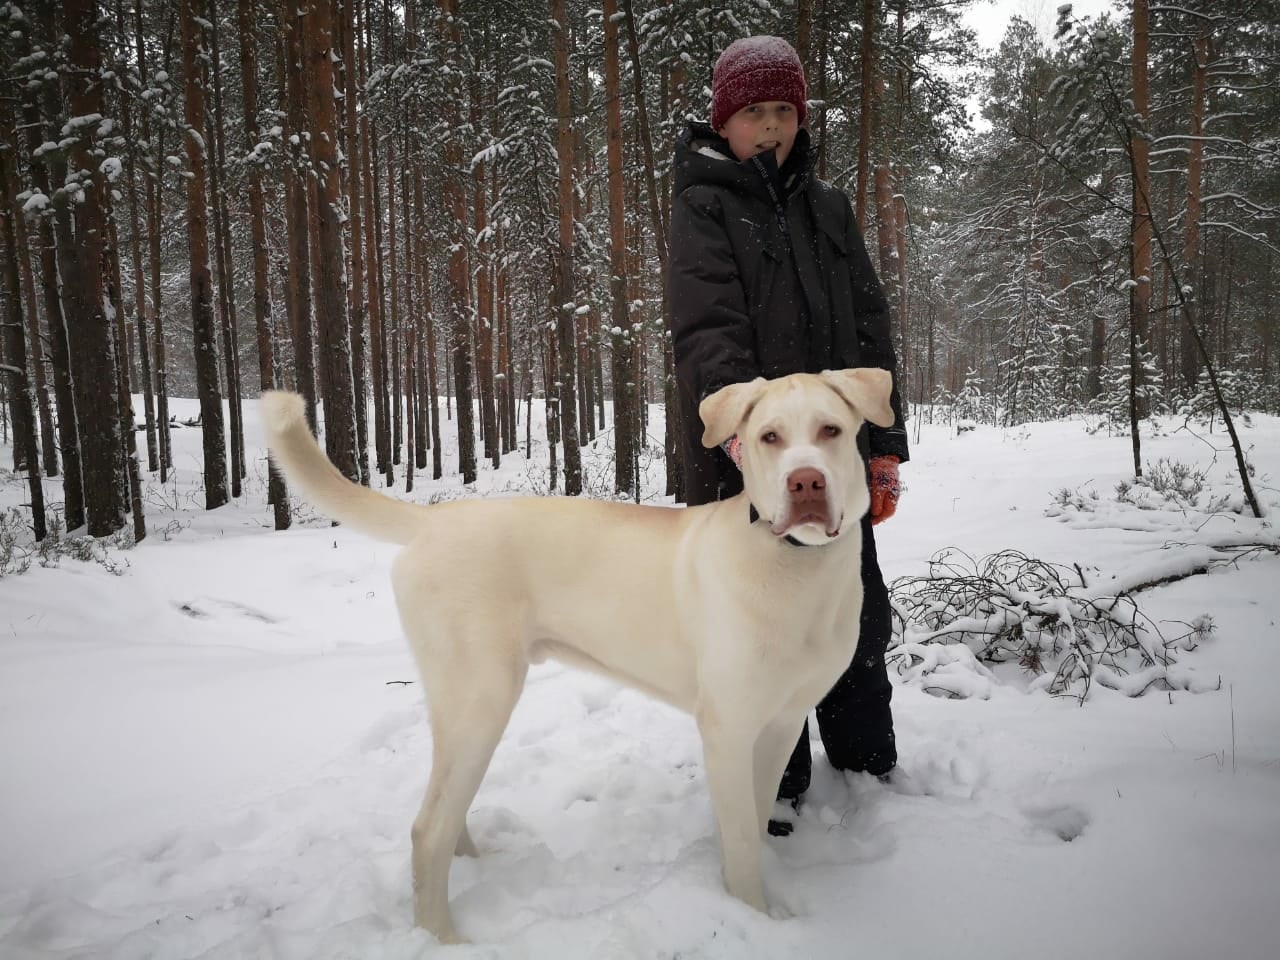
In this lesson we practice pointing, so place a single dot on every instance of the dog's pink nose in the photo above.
(806, 483)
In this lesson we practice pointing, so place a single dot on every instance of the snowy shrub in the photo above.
(1162, 497)
(1011, 608)
(1113, 402)
(1066, 499)
(18, 548)
(972, 402)
(104, 551)
(1242, 389)
(15, 531)
(1171, 484)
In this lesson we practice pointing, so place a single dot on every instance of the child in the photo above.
(769, 276)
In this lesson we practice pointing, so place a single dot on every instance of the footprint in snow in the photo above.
(195, 611)
(1064, 821)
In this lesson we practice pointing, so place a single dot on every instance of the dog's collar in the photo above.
(755, 515)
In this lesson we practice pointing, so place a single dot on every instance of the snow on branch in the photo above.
(967, 615)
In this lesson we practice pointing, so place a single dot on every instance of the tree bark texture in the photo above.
(201, 279)
(88, 328)
(330, 282)
(625, 410)
(566, 301)
(13, 349)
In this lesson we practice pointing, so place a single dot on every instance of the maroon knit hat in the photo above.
(753, 70)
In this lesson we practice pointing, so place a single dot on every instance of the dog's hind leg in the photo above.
(470, 699)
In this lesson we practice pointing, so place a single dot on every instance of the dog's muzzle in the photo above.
(806, 501)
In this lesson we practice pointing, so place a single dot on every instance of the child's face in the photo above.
(769, 125)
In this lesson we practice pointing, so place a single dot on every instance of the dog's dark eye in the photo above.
(831, 430)
(769, 436)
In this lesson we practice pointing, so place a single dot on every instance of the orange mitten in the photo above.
(885, 488)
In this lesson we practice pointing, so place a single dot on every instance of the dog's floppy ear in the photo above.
(867, 390)
(723, 411)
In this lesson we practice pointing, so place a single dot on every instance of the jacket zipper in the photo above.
(780, 212)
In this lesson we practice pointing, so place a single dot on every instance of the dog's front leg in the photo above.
(773, 750)
(728, 743)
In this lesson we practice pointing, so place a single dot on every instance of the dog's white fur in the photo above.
(698, 607)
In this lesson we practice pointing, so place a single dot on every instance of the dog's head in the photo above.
(800, 460)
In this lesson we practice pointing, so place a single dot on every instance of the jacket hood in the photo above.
(703, 157)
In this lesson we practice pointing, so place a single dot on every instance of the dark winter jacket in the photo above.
(768, 276)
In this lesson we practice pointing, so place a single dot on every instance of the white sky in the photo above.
(990, 18)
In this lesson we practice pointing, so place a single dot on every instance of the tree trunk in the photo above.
(223, 263)
(377, 286)
(13, 346)
(131, 481)
(866, 112)
(298, 202)
(373, 261)
(54, 168)
(135, 259)
(429, 361)
(624, 387)
(202, 321)
(88, 328)
(459, 280)
(416, 436)
(1097, 357)
(804, 34)
(345, 27)
(128, 478)
(565, 385)
(903, 314)
(412, 256)
(502, 314)
(886, 224)
(330, 281)
(35, 349)
(1140, 247)
(1190, 354)
(483, 274)
(277, 494)
(658, 225)
(824, 47)
(154, 195)
(394, 229)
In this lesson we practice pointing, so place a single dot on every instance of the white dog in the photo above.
(743, 612)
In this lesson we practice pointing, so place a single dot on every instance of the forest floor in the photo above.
(213, 745)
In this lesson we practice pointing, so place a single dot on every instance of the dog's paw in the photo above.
(781, 911)
(786, 899)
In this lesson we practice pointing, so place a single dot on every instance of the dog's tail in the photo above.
(306, 466)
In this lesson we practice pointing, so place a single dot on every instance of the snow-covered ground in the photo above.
(218, 750)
